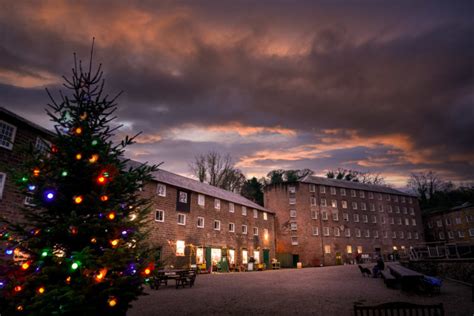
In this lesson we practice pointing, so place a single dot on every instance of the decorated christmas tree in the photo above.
(80, 247)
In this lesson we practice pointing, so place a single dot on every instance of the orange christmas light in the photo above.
(101, 275)
(112, 301)
(78, 199)
(78, 131)
(78, 157)
(19, 308)
(93, 240)
(111, 216)
(25, 266)
(68, 280)
(147, 271)
(18, 288)
(101, 180)
(114, 242)
(104, 198)
(41, 290)
(94, 158)
(36, 172)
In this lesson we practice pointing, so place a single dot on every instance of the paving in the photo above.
(309, 291)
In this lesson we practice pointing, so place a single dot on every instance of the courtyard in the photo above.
(310, 291)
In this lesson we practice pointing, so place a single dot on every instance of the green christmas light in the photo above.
(94, 142)
(75, 265)
(24, 179)
(64, 173)
(44, 254)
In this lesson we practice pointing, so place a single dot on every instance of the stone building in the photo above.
(322, 221)
(16, 134)
(455, 224)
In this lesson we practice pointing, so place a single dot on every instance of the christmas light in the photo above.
(68, 280)
(78, 131)
(78, 157)
(40, 290)
(83, 116)
(78, 199)
(49, 195)
(64, 173)
(31, 187)
(111, 216)
(18, 288)
(106, 174)
(94, 142)
(75, 265)
(94, 158)
(44, 253)
(112, 301)
(9, 251)
(19, 308)
(54, 149)
(2, 284)
(24, 179)
(114, 242)
(36, 172)
(101, 180)
(124, 232)
(104, 198)
(147, 271)
(25, 266)
(73, 230)
(93, 240)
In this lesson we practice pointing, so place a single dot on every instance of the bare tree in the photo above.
(218, 171)
(425, 184)
(280, 175)
(356, 176)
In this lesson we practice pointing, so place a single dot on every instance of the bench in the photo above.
(186, 278)
(389, 279)
(409, 279)
(399, 308)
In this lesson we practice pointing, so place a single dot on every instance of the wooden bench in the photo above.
(186, 278)
(398, 308)
(388, 278)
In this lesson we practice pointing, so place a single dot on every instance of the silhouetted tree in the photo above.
(356, 176)
(280, 175)
(253, 190)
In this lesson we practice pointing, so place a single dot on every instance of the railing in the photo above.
(441, 250)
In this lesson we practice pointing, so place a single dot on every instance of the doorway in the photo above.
(296, 259)
(266, 257)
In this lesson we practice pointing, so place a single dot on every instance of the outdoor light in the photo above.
(112, 301)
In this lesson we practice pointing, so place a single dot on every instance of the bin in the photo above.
(250, 266)
(299, 265)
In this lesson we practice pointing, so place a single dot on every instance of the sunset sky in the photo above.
(381, 86)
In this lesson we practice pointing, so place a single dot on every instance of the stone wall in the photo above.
(460, 269)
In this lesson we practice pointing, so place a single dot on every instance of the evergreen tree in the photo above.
(83, 246)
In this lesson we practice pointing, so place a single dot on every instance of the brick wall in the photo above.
(455, 225)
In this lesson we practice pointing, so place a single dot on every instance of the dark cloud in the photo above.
(380, 69)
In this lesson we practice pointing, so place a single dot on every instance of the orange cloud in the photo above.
(243, 130)
(29, 79)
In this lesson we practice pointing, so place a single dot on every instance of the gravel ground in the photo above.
(309, 291)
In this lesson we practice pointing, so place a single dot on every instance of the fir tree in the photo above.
(83, 246)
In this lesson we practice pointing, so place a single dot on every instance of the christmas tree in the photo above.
(82, 242)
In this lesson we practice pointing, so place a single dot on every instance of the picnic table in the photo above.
(163, 276)
(409, 279)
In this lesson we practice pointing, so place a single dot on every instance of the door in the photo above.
(266, 257)
(208, 258)
(296, 259)
(338, 258)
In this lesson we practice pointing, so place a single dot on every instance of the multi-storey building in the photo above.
(455, 224)
(322, 221)
(196, 223)
(16, 134)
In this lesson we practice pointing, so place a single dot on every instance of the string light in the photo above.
(111, 216)
(24, 179)
(94, 158)
(147, 271)
(101, 180)
(78, 157)
(75, 265)
(114, 242)
(49, 195)
(41, 290)
(18, 288)
(19, 308)
(9, 251)
(25, 266)
(78, 131)
(31, 187)
(78, 199)
(93, 240)
(94, 142)
(44, 253)
(73, 230)
(104, 198)
(64, 173)
(54, 149)
(112, 301)
(36, 172)
(68, 280)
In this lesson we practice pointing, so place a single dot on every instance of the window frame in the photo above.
(12, 140)
(162, 212)
(216, 221)
(203, 222)
(163, 192)
(184, 217)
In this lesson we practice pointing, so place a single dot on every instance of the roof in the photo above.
(353, 185)
(27, 122)
(447, 209)
(176, 180)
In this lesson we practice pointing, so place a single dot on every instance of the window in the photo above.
(292, 190)
(367, 233)
(323, 202)
(293, 213)
(7, 135)
(29, 201)
(244, 229)
(245, 256)
(335, 216)
(348, 232)
(349, 249)
(359, 249)
(292, 201)
(439, 223)
(312, 201)
(376, 234)
(180, 247)
(231, 256)
(374, 219)
(413, 222)
(315, 231)
(343, 192)
(365, 219)
(371, 195)
(322, 189)
(354, 205)
(403, 199)
(294, 240)
(356, 218)
(412, 211)
(312, 188)
(390, 210)
(181, 219)
(410, 201)
(461, 234)
(394, 235)
(324, 215)
(255, 213)
(362, 194)
(183, 197)
(388, 197)
(231, 208)
(471, 232)
(416, 235)
(232, 227)
(314, 214)
(363, 206)
(353, 193)
(407, 221)
(244, 211)
(458, 220)
(327, 249)
(392, 220)
(333, 190)
(395, 198)
(405, 211)
(326, 231)
(256, 256)
(217, 225)
(3, 176)
(448, 221)
(265, 216)
(217, 204)
(255, 231)
(161, 189)
(357, 232)
(201, 200)
(337, 232)
(159, 216)
(345, 217)
(42, 145)
(372, 207)
(409, 235)
(334, 203)
(380, 196)
(399, 221)
(382, 219)
(397, 209)
(402, 235)
(293, 226)
(380, 208)
(200, 223)
(385, 234)
(441, 235)
(344, 204)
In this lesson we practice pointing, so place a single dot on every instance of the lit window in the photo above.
(292, 213)
(231, 227)
(200, 223)
(315, 231)
(255, 231)
(343, 192)
(349, 249)
(231, 256)
(159, 216)
(180, 247)
(7, 135)
(181, 219)
(323, 202)
(201, 200)
(245, 256)
(200, 255)
(322, 189)
(244, 211)
(217, 204)
(354, 205)
(265, 216)
(231, 207)
(256, 256)
(359, 249)
(294, 240)
(3, 176)
(327, 249)
(314, 214)
(334, 203)
(312, 188)
(255, 213)
(244, 229)
(217, 225)
(344, 204)
(326, 231)
(161, 189)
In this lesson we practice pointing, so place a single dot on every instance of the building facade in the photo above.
(322, 221)
(455, 224)
(196, 223)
